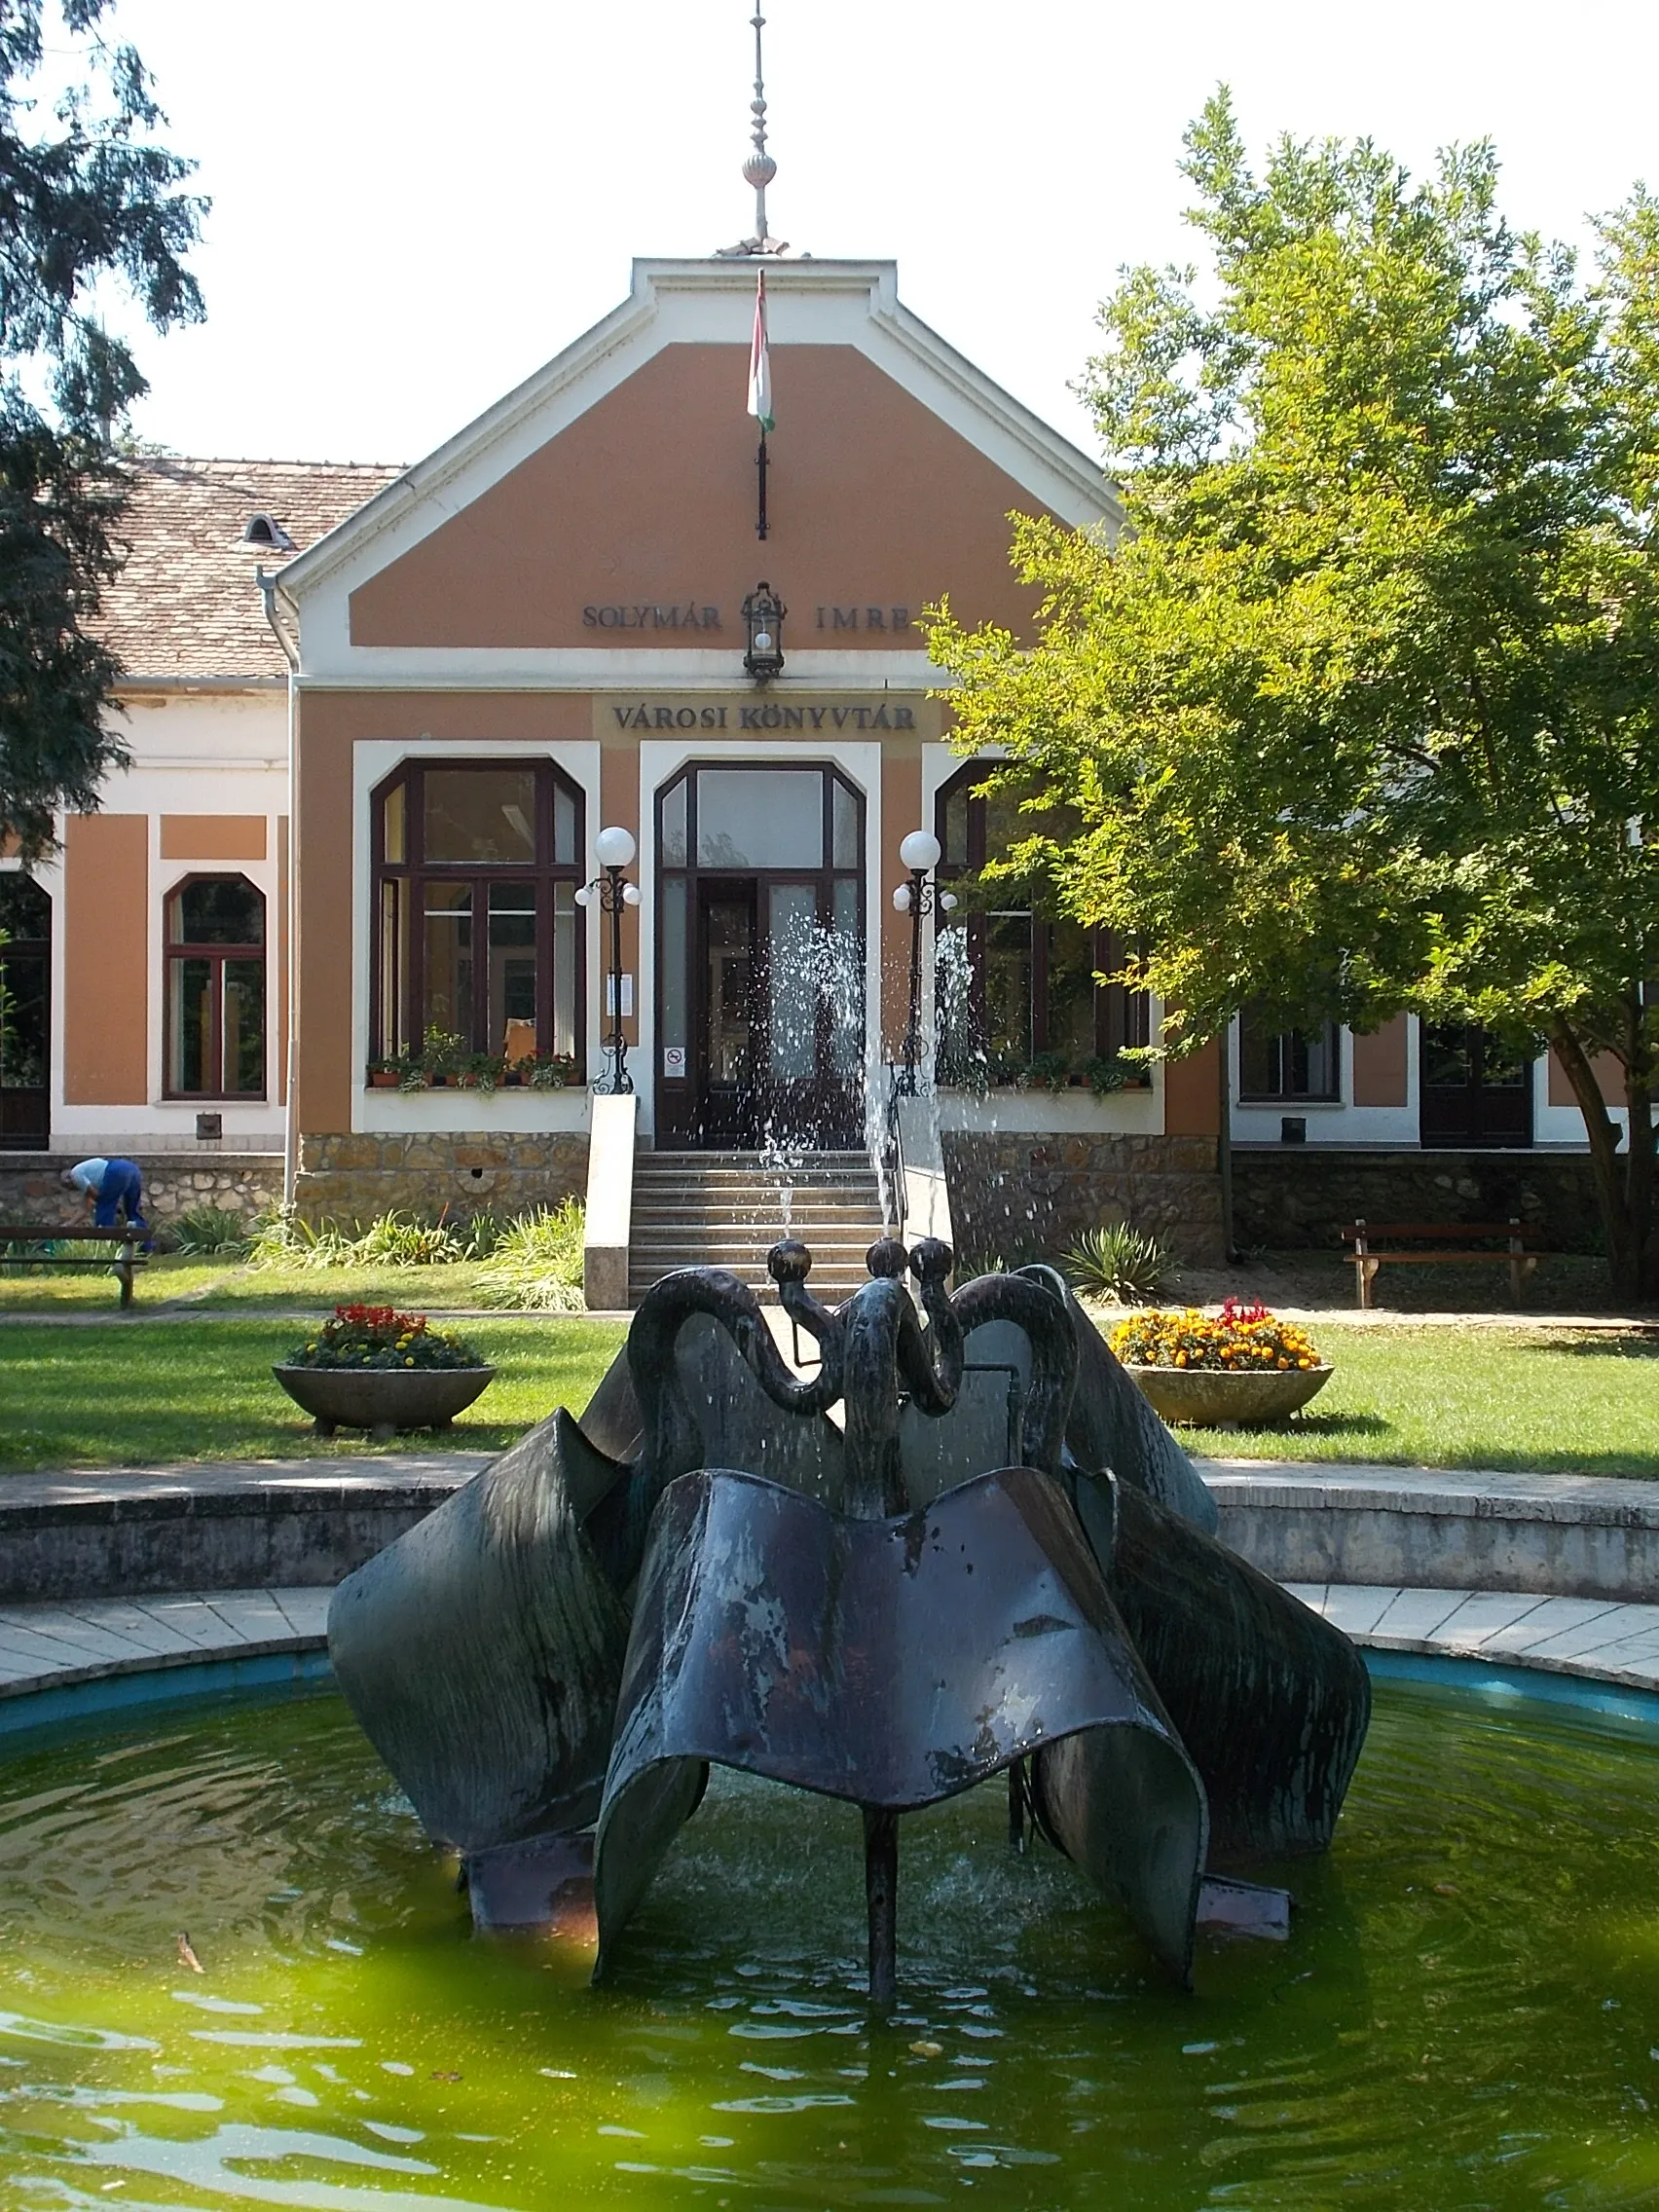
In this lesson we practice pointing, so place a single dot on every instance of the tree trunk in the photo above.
(1624, 1181)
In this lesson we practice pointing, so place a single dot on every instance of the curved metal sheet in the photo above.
(893, 1664)
(483, 1650)
(1271, 1701)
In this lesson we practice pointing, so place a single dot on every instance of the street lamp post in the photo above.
(920, 853)
(613, 849)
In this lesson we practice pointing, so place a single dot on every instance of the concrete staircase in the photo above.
(725, 1209)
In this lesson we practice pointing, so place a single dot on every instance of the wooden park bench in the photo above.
(128, 1241)
(1367, 1259)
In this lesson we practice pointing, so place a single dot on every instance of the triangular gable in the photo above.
(611, 500)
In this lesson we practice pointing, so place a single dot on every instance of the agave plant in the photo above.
(1119, 1262)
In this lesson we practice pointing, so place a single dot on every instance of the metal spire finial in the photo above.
(760, 169)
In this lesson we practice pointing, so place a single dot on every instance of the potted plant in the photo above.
(556, 1071)
(482, 1071)
(388, 1074)
(444, 1054)
(1050, 1069)
(1239, 1368)
(371, 1367)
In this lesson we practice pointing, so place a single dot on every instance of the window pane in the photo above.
(1445, 1064)
(244, 1028)
(567, 967)
(1258, 1059)
(674, 949)
(393, 968)
(486, 815)
(513, 960)
(1071, 990)
(844, 982)
(673, 825)
(1504, 1067)
(394, 825)
(563, 826)
(1008, 984)
(190, 1022)
(953, 966)
(217, 909)
(844, 828)
(26, 910)
(953, 827)
(760, 818)
(793, 975)
(730, 987)
(449, 959)
(25, 982)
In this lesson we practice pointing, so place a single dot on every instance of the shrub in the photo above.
(378, 1336)
(1242, 1340)
(399, 1241)
(1119, 1262)
(281, 1240)
(536, 1265)
(206, 1231)
(483, 1234)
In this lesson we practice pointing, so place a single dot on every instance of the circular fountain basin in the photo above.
(1464, 2014)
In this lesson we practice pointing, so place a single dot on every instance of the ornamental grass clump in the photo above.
(378, 1336)
(1242, 1340)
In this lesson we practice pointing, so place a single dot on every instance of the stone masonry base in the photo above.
(241, 1182)
(347, 1179)
(1304, 1195)
(1025, 1198)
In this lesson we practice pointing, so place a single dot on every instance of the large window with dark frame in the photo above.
(1015, 982)
(215, 988)
(476, 869)
(1276, 1064)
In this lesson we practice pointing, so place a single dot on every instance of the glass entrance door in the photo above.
(1474, 1089)
(761, 959)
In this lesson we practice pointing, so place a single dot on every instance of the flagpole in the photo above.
(761, 474)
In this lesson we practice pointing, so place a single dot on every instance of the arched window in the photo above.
(215, 988)
(1016, 983)
(477, 864)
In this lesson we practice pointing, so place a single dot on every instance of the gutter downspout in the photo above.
(267, 583)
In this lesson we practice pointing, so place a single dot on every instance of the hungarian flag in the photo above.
(760, 361)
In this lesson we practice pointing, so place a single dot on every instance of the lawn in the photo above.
(171, 1280)
(1484, 1397)
(134, 1392)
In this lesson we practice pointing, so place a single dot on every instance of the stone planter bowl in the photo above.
(1209, 1397)
(383, 1399)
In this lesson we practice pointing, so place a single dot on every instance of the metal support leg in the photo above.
(881, 1895)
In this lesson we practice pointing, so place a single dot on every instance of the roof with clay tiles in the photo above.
(185, 606)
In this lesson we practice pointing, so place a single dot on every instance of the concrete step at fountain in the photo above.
(701, 1210)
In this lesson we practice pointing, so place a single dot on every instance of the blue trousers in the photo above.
(123, 1190)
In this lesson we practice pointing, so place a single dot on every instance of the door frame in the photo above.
(1482, 1128)
(680, 1101)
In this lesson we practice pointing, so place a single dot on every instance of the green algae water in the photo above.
(1466, 2016)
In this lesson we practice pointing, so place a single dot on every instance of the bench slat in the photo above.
(1436, 1229)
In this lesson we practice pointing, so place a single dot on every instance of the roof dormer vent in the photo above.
(265, 530)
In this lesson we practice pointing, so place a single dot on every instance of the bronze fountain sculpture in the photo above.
(1000, 1560)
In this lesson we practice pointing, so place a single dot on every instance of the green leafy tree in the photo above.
(90, 210)
(1358, 713)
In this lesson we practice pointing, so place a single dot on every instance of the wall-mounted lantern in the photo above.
(763, 626)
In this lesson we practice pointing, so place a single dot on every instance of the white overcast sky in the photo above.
(415, 205)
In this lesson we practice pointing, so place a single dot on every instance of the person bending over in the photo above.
(112, 1188)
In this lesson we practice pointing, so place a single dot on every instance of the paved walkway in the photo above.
(50, 1646)
(346, 1472)
(1595, 1638)
(1499, 1493)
